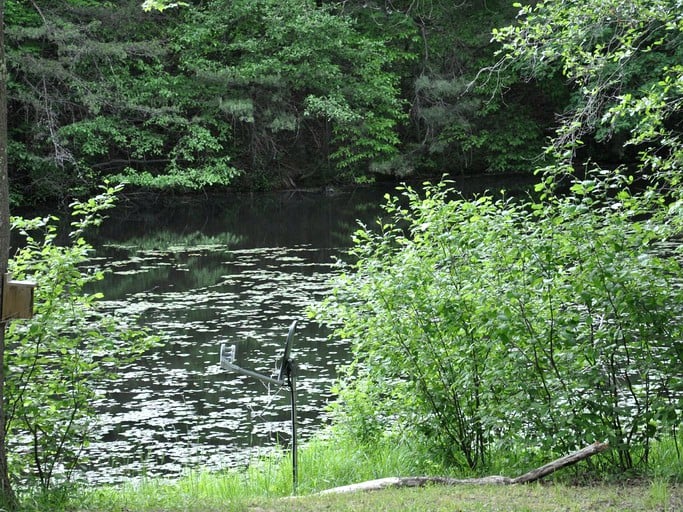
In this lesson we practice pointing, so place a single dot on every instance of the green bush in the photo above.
(479, 323)
(58, 360)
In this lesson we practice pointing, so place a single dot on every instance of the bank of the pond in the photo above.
(641, 497)
(266, 485)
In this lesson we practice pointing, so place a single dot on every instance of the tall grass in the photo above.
(323, 463)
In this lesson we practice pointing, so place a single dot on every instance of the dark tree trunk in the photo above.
(6, 493)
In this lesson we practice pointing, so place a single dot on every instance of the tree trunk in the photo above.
(6, 493)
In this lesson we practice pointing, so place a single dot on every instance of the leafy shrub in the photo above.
(60, 359)
(477, 323)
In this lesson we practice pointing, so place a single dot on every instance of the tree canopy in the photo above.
(547, 322)
(262, 94)
(622, 60)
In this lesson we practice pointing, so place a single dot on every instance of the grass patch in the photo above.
(322, 465)
(468, 498)
(266, 486)
(529, 498)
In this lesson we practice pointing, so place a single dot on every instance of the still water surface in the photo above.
(234, 270)
(230, 269)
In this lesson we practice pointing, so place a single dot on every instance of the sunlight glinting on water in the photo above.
(175, 408)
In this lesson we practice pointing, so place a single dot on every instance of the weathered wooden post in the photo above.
(17, 298)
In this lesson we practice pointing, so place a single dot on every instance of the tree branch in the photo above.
(420, 481)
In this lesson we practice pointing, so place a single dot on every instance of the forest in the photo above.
(258, 95)
(486, 332)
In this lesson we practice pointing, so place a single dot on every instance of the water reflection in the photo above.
(225, 269)
(176, 403)
(200, 275)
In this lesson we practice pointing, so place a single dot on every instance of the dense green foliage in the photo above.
(261, 94)
(623, 61)
(90, 97)
(479, 324)
(59, 360)
(270, 94)
(544, 323)
(294, 82)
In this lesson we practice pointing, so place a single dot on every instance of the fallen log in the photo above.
(419, 481)
(560, 463)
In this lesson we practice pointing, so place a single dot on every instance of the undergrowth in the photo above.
(333, 461)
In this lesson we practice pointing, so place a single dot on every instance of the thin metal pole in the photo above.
(288, 370)
(295, 462)
(226, 365)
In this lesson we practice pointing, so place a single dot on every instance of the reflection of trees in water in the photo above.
(247, 306)
(162, 271)
(168, 240)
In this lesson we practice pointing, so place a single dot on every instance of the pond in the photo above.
(234, 270)
(231, 269)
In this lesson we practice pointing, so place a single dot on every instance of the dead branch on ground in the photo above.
(420, 481)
